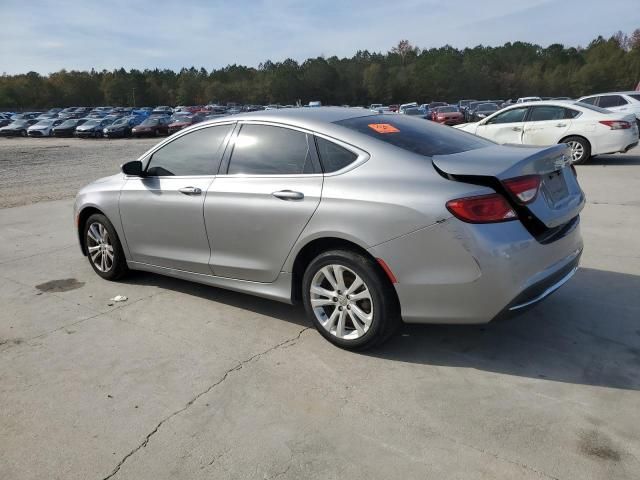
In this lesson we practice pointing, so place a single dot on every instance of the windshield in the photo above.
(44, 123)
(149, 122)
(18, 123)
(69, 123)
(121, 121)
(179, 118)
(447, 110)
(91, 123)
(415, 135)
(488, 107)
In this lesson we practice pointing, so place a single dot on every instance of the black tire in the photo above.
(383, 304)
(118, 267)
(586, 149)
(23, 133)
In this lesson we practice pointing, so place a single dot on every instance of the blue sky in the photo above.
(46, 36)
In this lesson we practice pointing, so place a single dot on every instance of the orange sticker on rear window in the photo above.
(383, 128)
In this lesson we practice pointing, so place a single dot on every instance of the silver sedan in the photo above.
(367, 219)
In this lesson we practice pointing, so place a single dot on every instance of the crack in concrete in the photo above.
(235, 368)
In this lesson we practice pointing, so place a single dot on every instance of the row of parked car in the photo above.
(110, 122)
(455, 114)
(591, 125)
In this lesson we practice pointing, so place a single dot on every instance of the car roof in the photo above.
(310, 118)
(629, 92)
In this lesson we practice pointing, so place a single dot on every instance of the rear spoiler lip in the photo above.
(556, 156)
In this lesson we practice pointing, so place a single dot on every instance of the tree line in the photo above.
(404, 73)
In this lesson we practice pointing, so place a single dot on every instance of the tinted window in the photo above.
(266, 150)
(333, 157)
(415, 135)
(510, 116)
(635, 97)
(546, 112)
(607, 101)
(590, 100)
(196, 153)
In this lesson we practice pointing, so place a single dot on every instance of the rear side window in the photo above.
(414, 134)
(607, 101)
(589, 100)
(550, 112)
(635, 97)
(333, 157)
(267, 150)
(196, 153)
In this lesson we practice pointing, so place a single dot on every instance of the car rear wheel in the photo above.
(580, 149)
(349, 300)
(103, 247)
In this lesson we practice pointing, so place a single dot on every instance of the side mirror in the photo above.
(133, 168)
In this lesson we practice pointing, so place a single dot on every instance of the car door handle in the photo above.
(561, 124)
(288, 195)
(516, 129)
(190, 190)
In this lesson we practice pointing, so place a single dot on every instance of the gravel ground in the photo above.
(39, 169)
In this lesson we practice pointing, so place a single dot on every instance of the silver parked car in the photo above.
(367, 219)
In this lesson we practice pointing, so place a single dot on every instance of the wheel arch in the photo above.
(315, 247)
(83, 215)
(563, 139)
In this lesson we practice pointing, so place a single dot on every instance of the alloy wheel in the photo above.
(341, 302)
(577, 151)
(100, 247)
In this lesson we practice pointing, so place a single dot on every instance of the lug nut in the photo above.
(348, 307)
(340, 308)
(335, 299)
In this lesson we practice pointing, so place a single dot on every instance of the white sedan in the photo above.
(589, 130)
(43, 127)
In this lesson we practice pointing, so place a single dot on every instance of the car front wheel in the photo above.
(103, 248)
(350, 300)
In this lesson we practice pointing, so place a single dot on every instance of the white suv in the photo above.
(627, 102)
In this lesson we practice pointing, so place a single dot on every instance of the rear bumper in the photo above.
(616, 141)
(459, 273)
(544, 288)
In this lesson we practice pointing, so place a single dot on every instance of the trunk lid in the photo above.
(560, 197)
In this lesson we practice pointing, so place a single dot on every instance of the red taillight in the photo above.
(482, 209)
(525, 189)
(616, 124)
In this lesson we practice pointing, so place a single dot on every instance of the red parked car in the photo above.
(178, 122)
(448, 115)
(152, 126)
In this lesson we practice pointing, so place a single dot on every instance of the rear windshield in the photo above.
(415, 135)
(588, 106)
(635, 97)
